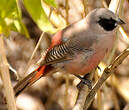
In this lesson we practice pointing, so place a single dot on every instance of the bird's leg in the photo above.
(85, 81)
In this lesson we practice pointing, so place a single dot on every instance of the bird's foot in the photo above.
(84, 81)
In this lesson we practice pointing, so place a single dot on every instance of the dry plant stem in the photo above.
(121, 9)
(99, 95)
(107, 72)
(113, 6)
(66, 91)
(82, 94)
(14, 71)
(84, 2)
(124, 35)
(104, 3)
(4, 73)
(32, 56)
(67, 10)
(126, 107)
(113, 50)
(37, 46)
(99, 100)
(58, 12)
(115, 99)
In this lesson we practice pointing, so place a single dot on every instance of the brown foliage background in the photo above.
(58, 91)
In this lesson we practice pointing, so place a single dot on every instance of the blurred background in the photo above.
(22, 30)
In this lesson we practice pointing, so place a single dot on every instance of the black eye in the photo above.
(107, 24)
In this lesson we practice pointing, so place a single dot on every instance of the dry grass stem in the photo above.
(126, 107)
(104, 3)
(124, 35)
(114, 97)
(66, 91)
(114, 5)
(4, 72)
(99, 95)
(85, 5)
(82, 94)
(67, 10)
(107, 72)
(37, 46)
(14, 71)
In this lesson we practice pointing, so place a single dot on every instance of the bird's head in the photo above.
(103, 19)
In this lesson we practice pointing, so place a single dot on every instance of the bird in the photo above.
(78, 48)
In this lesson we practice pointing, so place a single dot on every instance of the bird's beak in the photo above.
(120, 22)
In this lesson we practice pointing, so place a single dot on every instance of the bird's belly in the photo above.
(83, 63)
(79, 66)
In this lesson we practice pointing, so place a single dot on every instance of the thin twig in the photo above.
(124, 35)
(126, 107)
(99, 95)
(4, 72)
(114, 7)
(67, 10)
(32, 56)
(115, 98)
(114, 4)
(99, 100)
(37, 46)
(66, 91)
(85, 7)
(14, 71)
(104, 3)
(82, 93)
(57, 18)
(107, 72)
(67, 77)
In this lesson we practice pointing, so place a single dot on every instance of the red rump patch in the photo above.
(42, 70)
(56, 39)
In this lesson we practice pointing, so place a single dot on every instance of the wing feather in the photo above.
(57, 54)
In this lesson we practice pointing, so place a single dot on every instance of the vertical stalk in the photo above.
(4, 73)
(67, 11)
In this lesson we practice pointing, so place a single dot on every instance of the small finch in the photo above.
(78, 48)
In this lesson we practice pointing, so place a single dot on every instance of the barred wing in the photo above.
(57, 54)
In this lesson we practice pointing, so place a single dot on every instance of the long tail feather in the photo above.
(29, 80)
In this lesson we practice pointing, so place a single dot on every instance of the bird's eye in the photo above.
(108, 24)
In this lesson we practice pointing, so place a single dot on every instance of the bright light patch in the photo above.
(124, 35)
(102, 67)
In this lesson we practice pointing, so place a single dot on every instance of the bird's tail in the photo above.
(29, 80)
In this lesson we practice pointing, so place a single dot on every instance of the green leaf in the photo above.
(51, 3)
(10, 17)
(4, 28)
(38, 15)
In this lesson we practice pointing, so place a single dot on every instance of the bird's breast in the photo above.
(83, 63)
